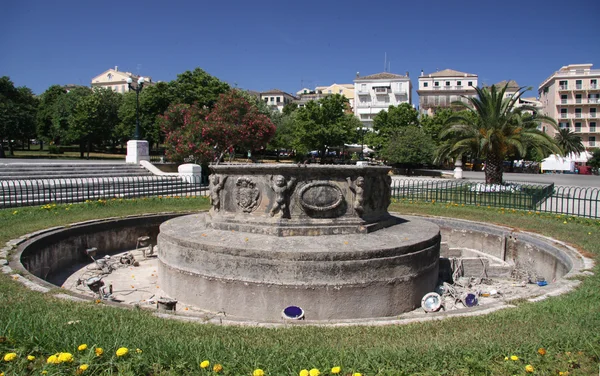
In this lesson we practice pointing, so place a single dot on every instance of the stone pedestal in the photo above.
(190, 173)
(137, 150)
(458, 171)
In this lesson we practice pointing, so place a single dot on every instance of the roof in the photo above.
(512, 84)
(275, 91)
(450, 73)
(381, 76)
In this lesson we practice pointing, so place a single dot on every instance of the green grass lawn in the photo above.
(566, 327)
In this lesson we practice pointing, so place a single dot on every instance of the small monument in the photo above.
(315, 237)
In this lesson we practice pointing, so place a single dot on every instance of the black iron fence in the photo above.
(578, 201)
(14, 193)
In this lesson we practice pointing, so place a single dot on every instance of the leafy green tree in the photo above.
(496, 129)
(197, 87)
(94, 119)
(324, 124)
(64, 107)
(290, 108)
(18, 109)
(46, 112)
(284, 131)
(409, 146)
(569, 142)
(154, 101)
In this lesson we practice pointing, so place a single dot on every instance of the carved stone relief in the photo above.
(247, 195)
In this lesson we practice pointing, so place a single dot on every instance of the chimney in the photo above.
(406, 73)
(357, 74)
(422, 74)
(116, 68)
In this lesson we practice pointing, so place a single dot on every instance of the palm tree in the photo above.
(569, 142)
(493, 127)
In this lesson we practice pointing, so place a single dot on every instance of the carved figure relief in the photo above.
(216, 185)
(358, 188)
(247, 195)
(282, 191)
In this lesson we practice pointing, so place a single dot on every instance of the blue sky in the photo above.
(289, 44)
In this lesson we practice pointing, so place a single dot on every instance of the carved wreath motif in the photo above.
(320, 196)
(247, 195)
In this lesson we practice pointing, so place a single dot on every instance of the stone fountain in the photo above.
(317, 237)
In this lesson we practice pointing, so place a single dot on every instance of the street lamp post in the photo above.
(137, 150)
(137, 89)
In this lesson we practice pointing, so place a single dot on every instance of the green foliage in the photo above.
(18, 109)
(284, 130)
(197, 87)
(492, 129)
(409, 145)
(324, 123)
(594, 161)
(64, 109)
(46, 113)
(387, 122)
(290, 108)
(569, 142)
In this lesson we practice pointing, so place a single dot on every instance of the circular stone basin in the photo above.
(45, 259)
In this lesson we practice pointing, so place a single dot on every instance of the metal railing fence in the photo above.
(577, 201)
(15, 193)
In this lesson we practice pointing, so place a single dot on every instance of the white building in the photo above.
(276, 99)
(378, 92)
(116, 80)
(439, 90)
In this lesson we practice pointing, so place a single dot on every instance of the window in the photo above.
(578, 84)
(272, 99)
(341, 91)
(470, 83)
(278, 99)
(563, 125)
(563, 99)
(592, 112)
(592, 140)
(447, 83)
(329, 91)
(593, 84)
(577, 127)
(593, 126)
(578, 98)
(564, 113)
(562, 85)
(363, 88)
(425, 84)
(458, 83)
(436, 84)
(578, 112)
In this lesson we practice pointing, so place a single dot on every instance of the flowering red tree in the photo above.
(203, 136)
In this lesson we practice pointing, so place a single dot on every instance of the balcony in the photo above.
(563, 87)
(363, 92)
(594, 100)
(374, 105)
(594, 86)
(399, 92)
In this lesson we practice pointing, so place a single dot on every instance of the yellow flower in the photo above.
(30, 358)
(9, 357)
(139, 351)
(44, 372)
(357, 374)
(218, 368)
(336, 370)
(83, 367)
(514, 357)
(542, 351)
(506, 358)
(82, 347)
(258, 372)
(304, 372)
(98, 351)
(529, 368)
(205, 364)
(65, 357)
(53, 359)
(314, 372)
(122, 351)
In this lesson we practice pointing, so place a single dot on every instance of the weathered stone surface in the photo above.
(291, 200)
(3, 261)
(256, 276)
(6, 269)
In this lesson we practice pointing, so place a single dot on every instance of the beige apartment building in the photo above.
(513, 88)
(571, 96)
(345, 90)
(439, 90)
(116, 80)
